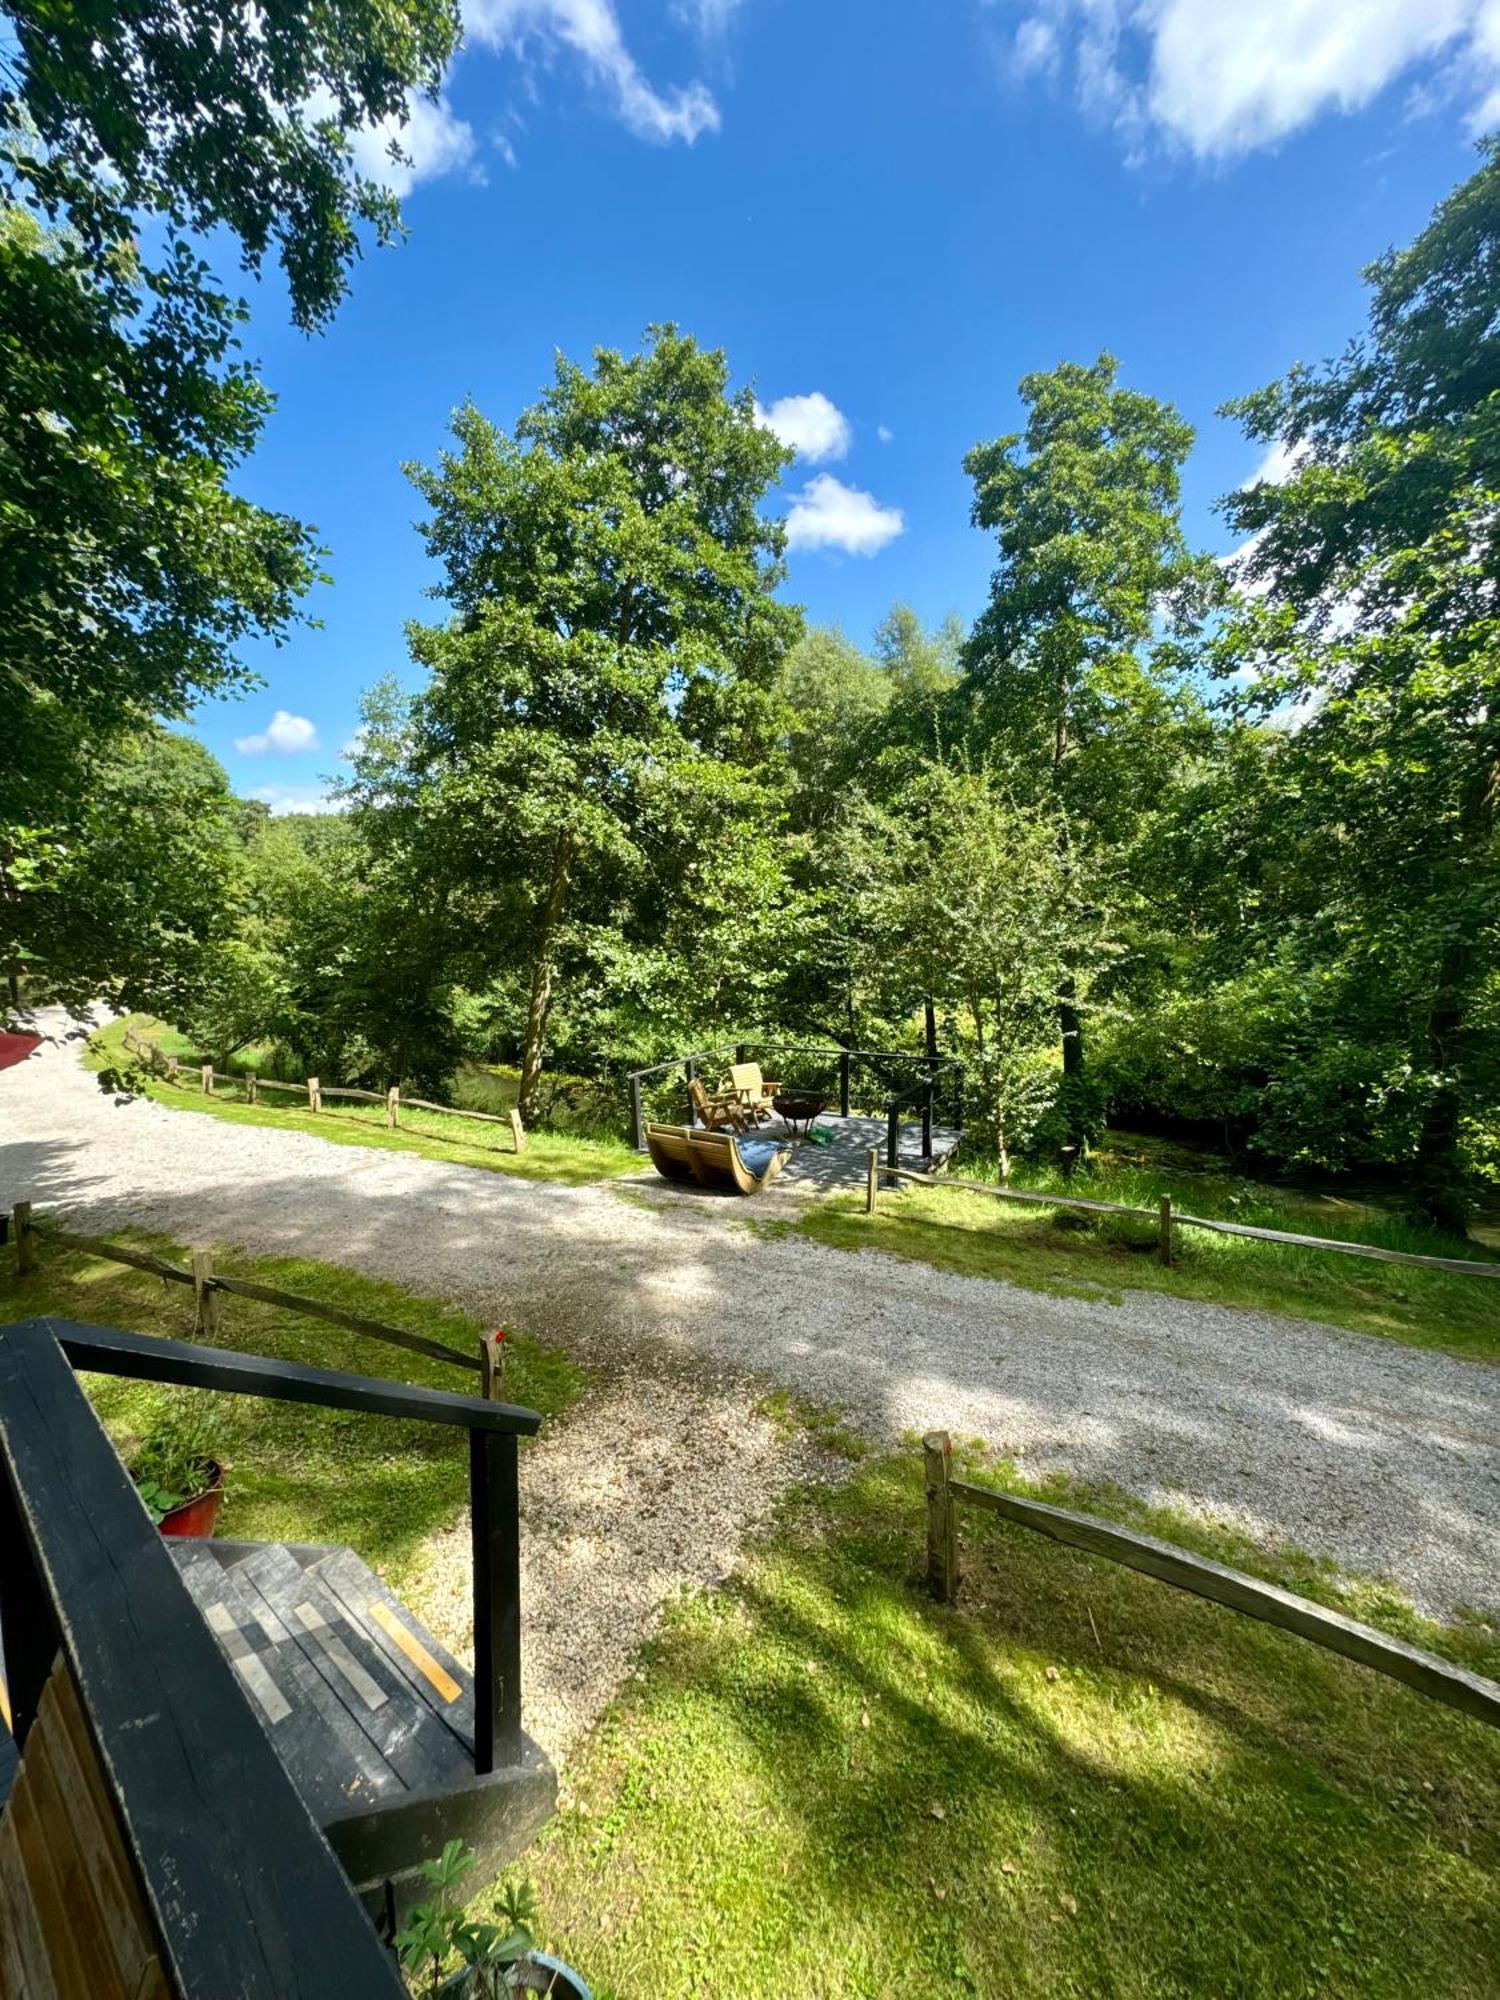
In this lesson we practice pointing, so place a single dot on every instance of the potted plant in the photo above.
(498, 1960)
(177, 1475)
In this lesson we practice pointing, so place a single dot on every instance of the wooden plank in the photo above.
(348, 1090)
(115, 1253)
(330, 1760)
(1464, 1266)
(427, 1665)
(245, 1896)
(144, 1357)
(393, 1336)
(495, 1509)
(410, 1738)
(1425, 1672)
(55, 1883)
(59, 1753)
(25, 1959)
(452, 1111)
(942, 1526)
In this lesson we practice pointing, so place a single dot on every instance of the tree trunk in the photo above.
(1438, 1193)
(540, 1004)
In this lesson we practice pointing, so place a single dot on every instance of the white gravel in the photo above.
(1382, 1457)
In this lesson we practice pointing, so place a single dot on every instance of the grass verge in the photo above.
(549, 1156)
(295, 1473)
(1079, 1782)
(1052, 1250)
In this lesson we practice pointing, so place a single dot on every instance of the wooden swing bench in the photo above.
(722, 1160)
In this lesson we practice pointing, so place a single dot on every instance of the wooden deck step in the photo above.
(362, 1704)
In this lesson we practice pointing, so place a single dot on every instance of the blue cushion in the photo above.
(757, 1154)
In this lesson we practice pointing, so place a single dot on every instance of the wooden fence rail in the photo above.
(1166, 1217)
(168, 1069)
(208, 1285)
(1426, 1672)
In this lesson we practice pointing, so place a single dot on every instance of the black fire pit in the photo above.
(798, 1107)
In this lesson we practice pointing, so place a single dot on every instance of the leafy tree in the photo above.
(607, 686)
(1071, 666)
(147, 887)
(1373, 628)
(986, 910)
(129, 569)
(836, 696)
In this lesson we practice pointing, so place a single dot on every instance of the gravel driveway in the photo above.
(1384, 1457)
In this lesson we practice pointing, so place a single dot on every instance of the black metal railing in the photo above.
(243, 1894)
(850, 1069)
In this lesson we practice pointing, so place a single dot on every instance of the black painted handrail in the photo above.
(244, 1894)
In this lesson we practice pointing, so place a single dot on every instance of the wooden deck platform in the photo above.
(371, 1716)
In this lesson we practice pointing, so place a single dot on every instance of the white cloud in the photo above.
(357, 740)
(815, 428)
(284, 799)
(591, 30)
(434, 142)
(1219, 79)
(886, 436)
(711, 18)
(827, 514)
(285, 732)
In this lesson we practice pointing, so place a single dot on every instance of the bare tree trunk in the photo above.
(540, 1004)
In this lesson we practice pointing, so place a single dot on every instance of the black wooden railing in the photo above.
(244, 1895)
(940, 1077)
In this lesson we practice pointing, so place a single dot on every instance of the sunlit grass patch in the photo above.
(1078, 1782)
(378, 1484)
(548, 1156)
(977, 1235)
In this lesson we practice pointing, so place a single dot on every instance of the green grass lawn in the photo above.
(978, 1236)
(1079, 1782)
(549, 1156)
(299, 1474)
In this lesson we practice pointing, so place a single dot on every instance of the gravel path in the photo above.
(1384, 1457)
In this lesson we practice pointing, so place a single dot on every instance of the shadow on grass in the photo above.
(1080, 1782)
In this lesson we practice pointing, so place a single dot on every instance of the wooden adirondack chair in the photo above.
(717, 1109)
(754, 1094)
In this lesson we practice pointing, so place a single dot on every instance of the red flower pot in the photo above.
(198, 1515)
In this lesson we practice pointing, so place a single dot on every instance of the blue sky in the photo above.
(886, 213)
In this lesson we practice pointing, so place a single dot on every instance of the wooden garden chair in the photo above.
(717, 1109)
(754, 1094)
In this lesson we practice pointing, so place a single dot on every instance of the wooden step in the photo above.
(362, 1704)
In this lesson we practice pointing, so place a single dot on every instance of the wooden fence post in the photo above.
(1164, 1230)
(637, 1117)
(942, 1537)
(314, 1095)
(518, 1131)
(20, 1223)
(250, 1086)
(393, 1106)
(492, 1365)
(872, 1187)
(205, 1297)
(208, 1079)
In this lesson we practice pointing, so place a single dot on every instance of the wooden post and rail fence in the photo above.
(170, 1070)
(211, 1287)
(1427, 1673)
(1167, 1218)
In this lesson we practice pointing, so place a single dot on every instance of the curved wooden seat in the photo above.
(714, 1159)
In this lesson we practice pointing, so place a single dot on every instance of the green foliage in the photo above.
(437, 1933)
(582, 765)
(172, 1461)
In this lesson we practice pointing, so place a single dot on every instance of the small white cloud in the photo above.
(591, 30)
(285, 732)
(827, 514)
(883, 434)
(710, 18)
(434, 141)
(1219, 80)
(355, 744)
(815, 428)
(1035, 51)
(284, 799)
